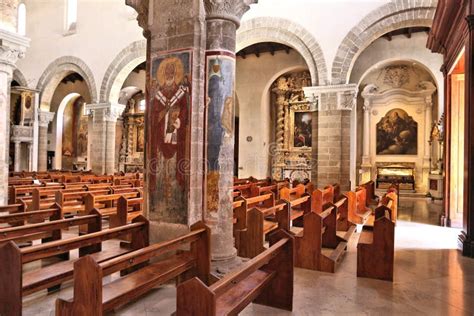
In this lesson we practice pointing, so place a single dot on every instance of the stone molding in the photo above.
(280, 30)
(12, 48)
(346, 96)
(105, 112)
(425, 90)
(45, 117)
(230, 10)
(388, 17)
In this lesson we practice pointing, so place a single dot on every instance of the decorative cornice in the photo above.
(425, 90)
(230, 10)
(141, 6)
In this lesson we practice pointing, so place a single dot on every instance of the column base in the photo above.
(466, 244)
(219, 268)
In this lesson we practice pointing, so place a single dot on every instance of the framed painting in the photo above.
(301, 130)
(397, 134)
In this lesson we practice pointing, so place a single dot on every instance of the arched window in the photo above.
(21, 19)
(71, 16)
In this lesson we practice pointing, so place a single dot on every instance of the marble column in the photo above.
(44, 118)
(12, 47)
(17, 162)
(222, 20)
(102, 136)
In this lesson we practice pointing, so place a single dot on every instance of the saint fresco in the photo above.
(169, 117)
(397, 134)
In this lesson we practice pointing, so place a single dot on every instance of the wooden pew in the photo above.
(106, 204)
(127, 210)
(91, 297)
(325, 198)
(292, 193)
(369, 187)
(375, 249)
(266, 279)
(359, 213)
(73, 202)
(298, 208)
(14, 284)
(317, 246)
(16, 193)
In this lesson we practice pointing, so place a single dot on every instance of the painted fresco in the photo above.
(220, 122)
(397, 134)
(303, 129)
(169, 134)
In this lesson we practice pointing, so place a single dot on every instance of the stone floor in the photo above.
(431, 277)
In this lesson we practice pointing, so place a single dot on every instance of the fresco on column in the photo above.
(169, 135)
(220, 127)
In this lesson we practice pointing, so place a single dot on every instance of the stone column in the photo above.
(366, 132)
(17, 162)
(102, 136)
(222, 20)
(12, 47)
(428, 126)
(30, 157)
(44, 118)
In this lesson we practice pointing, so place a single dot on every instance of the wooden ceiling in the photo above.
(262, 48)
(407, 31)
(72, 77)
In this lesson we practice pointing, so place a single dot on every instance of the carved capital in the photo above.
(45, 117)
(231, 10)
(105, 112)
(12, 48)
(141, 6)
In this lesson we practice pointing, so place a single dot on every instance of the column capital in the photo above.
(230, 10)
(12, 48)
(45, 117)
(107, 112)
(339, 97)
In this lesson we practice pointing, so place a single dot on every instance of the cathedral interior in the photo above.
(224, 157)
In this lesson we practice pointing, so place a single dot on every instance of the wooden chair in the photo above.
(266, 279)
(91, 297)
(375, 249)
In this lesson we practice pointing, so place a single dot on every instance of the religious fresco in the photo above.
(170, 100)
(303, 129)
(220, 121)
(140, 142)
(397, 134)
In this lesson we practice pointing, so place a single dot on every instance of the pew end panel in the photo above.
(10, 279)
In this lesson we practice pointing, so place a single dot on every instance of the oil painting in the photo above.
(397, 134)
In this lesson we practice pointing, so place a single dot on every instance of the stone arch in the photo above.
(117, 72)
(389, 17)
(57, 70)
(273, 29)
(20, 78)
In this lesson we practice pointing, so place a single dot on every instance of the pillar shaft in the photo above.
(17, 162)
(44, 118)
(12, 47)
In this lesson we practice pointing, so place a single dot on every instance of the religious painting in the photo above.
(82, 137)
(140, 139)
(397, 134)
(302, 130)
(169, 118)
(220, 123)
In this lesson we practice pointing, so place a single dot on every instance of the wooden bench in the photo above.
(317, 246)
(266, 279)
(358, 211)
(127, 210)
(91, 297)
(14, 284)
(375, 249)
(369, 187)
(298, 208)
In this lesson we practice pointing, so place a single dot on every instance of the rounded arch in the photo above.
(20, 78)
(70, 98)
(59, 69)
(273, 29)
(118, 71)
(389, 17)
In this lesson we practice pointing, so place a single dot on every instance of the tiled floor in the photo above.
(431, 278)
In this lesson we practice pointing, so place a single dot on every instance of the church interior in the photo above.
(224, 157)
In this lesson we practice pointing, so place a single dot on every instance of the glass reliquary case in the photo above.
(403, 175)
